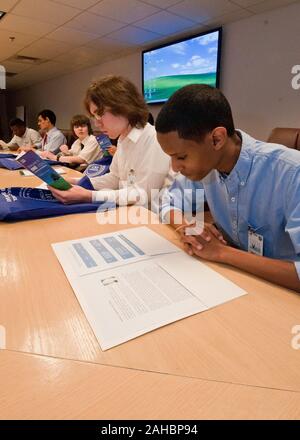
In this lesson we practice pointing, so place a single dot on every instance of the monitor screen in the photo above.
(192, 60)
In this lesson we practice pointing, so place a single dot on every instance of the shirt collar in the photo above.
(134, 134)
(52, 130)
(84, 141)
(25, 133)
(243, 165)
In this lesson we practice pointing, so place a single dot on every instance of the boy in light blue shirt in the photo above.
(252, 187)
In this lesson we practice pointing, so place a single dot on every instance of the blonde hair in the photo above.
(120, 96)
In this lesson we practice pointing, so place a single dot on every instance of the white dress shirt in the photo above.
(30, 137)
(90, 152)
(138, 165)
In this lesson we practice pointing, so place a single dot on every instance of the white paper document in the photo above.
(128, 300)
(106, 251)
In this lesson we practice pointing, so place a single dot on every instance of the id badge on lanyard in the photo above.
(255, 243)
(131, 177)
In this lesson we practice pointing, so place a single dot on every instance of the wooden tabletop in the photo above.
(64, 389)
(245, 343)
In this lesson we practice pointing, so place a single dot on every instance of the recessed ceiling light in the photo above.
(2, 14)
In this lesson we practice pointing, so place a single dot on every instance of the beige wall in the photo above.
(3, 115)
(258, 54)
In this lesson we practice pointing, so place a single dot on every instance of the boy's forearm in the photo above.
(176, 218)
(277, 271)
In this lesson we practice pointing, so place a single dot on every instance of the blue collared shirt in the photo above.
(262, 193)
(55, 139)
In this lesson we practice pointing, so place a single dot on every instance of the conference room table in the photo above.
(234, 361)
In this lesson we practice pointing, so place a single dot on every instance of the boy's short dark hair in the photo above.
(48, 114)
(17, 122)
(81, 120)
(194, 111)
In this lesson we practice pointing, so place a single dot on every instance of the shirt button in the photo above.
(242, 183)
(233, 199)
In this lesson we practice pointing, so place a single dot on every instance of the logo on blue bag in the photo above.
(94, 170)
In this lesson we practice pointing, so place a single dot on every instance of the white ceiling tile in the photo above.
(94, 23)
(49, 69)
(71, 36)
(127, 11)
(228, 18)
(6, 52)
(20, 38)
(261, 5)
(32, 19)
(69, 58)
(108, 44)
(8, 48)
(79, 4)
(81, 55)
(204, 10)
(10, 66)
(134, 35)
(196, 29)
(165, 23)
(6, 5)
(245, 3)
(26, 25)
(268, 5)
(84, 64)
(38, 75)
(45, 10)
(45, 49)
(162, 3)
(73, 62)
(122, 53)
(88, 53)
(84, 56)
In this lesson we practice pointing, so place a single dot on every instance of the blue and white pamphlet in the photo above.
(105, 143)
(40, 168)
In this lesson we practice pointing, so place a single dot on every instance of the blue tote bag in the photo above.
(19, 203)
(10, 164)
(7, 155)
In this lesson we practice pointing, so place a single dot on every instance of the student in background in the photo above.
(139, 164)
(53, 138)
(84, 150)
(252, 187)
(22, 135)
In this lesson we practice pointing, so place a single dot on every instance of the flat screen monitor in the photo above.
(193, 60)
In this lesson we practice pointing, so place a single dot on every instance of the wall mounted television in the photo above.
(191, 60)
